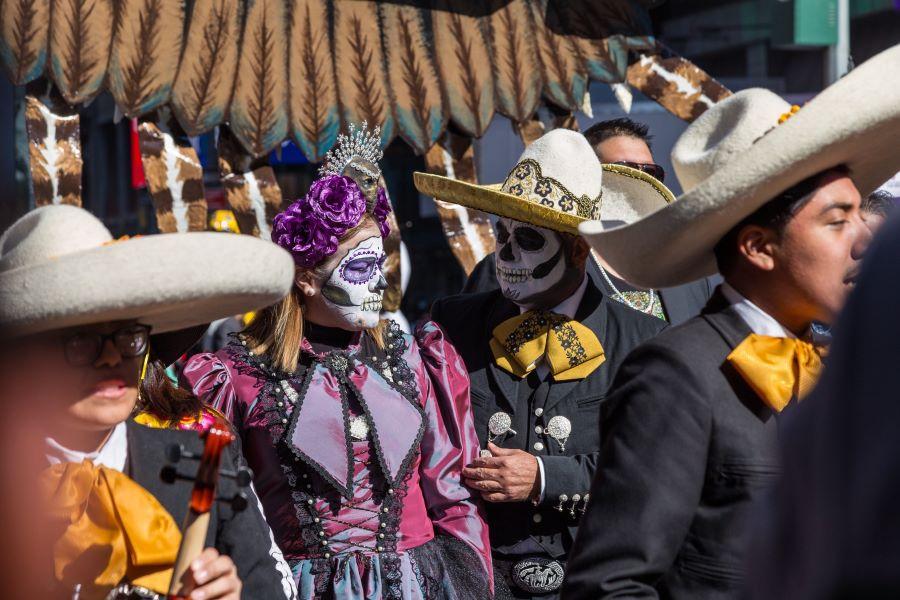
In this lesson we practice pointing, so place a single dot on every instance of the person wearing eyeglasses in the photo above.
(78, 311)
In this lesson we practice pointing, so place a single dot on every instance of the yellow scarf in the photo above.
(115, 531)
(571, 350)
(778, 369)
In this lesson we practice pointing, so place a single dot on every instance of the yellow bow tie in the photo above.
(571, 350)
(114, 531)
(778, 369)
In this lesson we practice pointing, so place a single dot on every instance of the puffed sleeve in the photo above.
(210, 379)
(450, 443)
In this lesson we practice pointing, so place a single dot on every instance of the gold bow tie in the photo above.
(571, 350)
(778, 369)
(114, 531)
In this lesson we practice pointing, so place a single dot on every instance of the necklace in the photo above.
(648, 306)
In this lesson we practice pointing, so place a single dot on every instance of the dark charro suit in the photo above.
(521, 529)
(242, 535)
(680, 303)
(687, 447)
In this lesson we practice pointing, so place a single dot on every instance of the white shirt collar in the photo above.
(112, 454)
(759, 321)
(569, 306)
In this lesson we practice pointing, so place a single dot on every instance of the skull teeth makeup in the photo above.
(513, 275)
(355, 287)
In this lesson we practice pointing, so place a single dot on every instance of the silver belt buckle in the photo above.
(538, 575)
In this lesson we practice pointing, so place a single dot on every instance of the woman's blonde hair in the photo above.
(277, 331)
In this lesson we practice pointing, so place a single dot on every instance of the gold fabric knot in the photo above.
(778, 369)
(572, 350)
(114, 531)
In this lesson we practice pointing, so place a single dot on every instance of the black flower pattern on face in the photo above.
(567, 203)
(542, 188)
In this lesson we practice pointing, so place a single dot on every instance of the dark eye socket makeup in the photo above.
(530, 240)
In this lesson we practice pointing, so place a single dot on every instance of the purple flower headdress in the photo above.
(312, 226)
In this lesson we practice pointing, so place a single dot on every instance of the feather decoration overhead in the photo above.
(678, 85)
(250, 186)
(469, 232)
(360, 67)
(24, 27)
(54, 153)
(464, 63)
(146, 48)
(565, 76)
(174, 176)
(414, 85)
(79, 46)
(315, 120)
(517, 72)
(258, 112)
(207, 70)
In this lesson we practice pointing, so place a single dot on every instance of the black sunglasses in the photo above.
(84, 348)
(652, 169)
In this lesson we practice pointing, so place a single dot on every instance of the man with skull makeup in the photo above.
(541, 351)
(357, 432)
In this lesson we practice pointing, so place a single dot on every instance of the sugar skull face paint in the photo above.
(355, 287)
(530, 261)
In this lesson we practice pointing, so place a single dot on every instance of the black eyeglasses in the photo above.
(84, 348)
(652, 169)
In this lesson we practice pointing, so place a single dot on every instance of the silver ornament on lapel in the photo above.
(499, 424)
(559, 428)
(359, 428)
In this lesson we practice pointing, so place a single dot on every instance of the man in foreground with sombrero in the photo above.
(77, 309)
(541, 350)
(689, 434)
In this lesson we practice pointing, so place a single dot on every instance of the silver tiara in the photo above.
(360, 142)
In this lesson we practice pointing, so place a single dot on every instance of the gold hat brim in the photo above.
(618, 180)
(489, 199)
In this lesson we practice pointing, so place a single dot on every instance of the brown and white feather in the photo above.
(205, 77)
(258, 111)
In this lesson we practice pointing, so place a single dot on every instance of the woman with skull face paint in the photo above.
(357, 432)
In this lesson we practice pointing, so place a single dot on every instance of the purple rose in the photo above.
(337, 200)
(311, 227)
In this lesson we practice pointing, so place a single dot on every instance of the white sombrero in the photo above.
(60, 267)
(557, 183)
(736, 157)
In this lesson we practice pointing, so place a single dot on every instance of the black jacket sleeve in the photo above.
(567, 475)
(245, 536)
(655, 434)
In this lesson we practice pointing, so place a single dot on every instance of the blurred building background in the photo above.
(785, 45)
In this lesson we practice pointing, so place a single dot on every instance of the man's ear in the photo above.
(578, 251)
(756, 245)
(305, 282)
